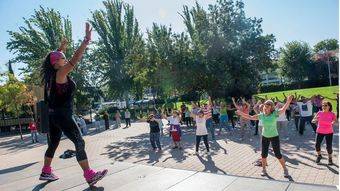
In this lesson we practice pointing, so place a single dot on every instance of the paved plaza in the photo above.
(134, 166)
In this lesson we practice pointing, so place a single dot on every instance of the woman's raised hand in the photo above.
(88, 31)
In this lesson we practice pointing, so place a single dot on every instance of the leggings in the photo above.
(231, 118)
(64, 122)
(205, 140)
(319, 139)
(288, 114)
(275, 144)
(128, 122)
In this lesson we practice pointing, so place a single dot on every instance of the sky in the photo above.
(303, 20)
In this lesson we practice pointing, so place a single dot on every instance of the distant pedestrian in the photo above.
(127, 116)
(34, 131)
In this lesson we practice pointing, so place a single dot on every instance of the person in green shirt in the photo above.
(269, 117)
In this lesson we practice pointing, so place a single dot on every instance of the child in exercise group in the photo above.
(175, 129)
(201, 130)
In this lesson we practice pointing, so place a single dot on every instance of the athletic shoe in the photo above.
(318, 159)
(330, 161)
(208, 152)
(264, 173)
(196, 153)
(98, 176)
(285, 173)
(48, 176)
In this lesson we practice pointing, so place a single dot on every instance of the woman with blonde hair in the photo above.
(268, 117)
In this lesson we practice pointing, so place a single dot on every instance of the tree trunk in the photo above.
(18, 118)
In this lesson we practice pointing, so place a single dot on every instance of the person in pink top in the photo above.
(325, 120)
(33, 127)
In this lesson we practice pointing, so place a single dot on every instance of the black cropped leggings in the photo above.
(275, 144)
(329, 140)
(64, 122)
(205, 140)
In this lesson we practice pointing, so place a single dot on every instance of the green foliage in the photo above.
(122, 44)
(14, 95)
(229, 50)
(326, 45)
(296, 60)
(42, 33)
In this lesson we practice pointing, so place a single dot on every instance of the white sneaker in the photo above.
(208, 152)
(264, 173)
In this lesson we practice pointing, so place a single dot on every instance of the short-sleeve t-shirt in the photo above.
(224, 111)
(325, 120)
(174, 120)
(269, 123)
(201, 128)
(306, 109)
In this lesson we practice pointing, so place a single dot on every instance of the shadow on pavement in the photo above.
(16, 168)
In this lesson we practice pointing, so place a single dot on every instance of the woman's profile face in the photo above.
(61, 62)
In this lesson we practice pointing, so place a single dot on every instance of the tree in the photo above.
(10, 69)
(296, 60)
(120, 40)
(42, 33)
(324, 57)
(228, 48)
(13, 96)
(326, 45)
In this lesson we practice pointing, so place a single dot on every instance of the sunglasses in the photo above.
(324, 105)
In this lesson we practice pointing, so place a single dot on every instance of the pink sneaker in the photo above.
(48, 176)
(96, 177)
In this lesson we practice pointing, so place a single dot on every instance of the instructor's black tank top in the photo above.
(61, 95)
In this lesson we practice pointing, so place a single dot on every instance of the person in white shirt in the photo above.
(82, 125)
(306, 114)
(175, 129)
(127, 116)
(201, 130)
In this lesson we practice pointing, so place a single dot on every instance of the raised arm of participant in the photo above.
(78, 54)
(235, 105)
(245, 102)
(247, 116)
(210, 102)
(286, 105)
(257, 107)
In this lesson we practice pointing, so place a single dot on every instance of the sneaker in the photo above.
(98, 176)
(318, 159)
(196, 153)
(208, 152)
(264, 173)
(330, 161)
(285, 173)
(48, 176)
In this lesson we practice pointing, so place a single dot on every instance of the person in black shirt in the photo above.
(154, 133)
(59, 89)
